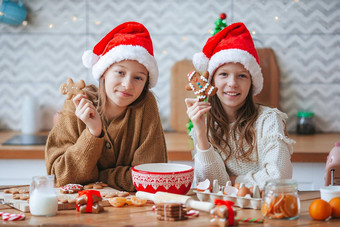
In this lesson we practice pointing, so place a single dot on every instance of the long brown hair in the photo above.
(219, 131)
(102, 97)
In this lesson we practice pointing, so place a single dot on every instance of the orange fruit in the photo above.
(335, 204)
(278, 215)
(138, 201)
(290, 206)
(265, 209)
(281, 206)
(320, 210)
(267, 206)
(278, 201)
(117, 201)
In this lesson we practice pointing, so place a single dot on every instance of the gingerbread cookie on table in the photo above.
(66, 199)
(12, 191)
(71, 188)
(223, 214)
(88, 201)
(72, 89)
(21, 196)
(171, 212)
(116, 194)
(96, 185)
(200, 85)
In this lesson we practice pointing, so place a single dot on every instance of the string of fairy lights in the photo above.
(220, 23)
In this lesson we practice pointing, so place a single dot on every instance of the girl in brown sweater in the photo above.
(100, 136)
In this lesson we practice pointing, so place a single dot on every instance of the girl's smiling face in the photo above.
(124, 82)
(233, 82)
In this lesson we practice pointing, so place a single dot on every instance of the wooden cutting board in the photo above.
(23, 205)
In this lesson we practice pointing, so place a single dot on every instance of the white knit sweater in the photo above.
(273, 154)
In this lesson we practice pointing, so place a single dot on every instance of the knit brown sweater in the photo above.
(74, 155)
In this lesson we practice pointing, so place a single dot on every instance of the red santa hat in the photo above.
(128, 41)
(232, 44)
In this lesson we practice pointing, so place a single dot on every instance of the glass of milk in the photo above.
(43, 198)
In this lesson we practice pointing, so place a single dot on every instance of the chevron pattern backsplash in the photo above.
(305, 35)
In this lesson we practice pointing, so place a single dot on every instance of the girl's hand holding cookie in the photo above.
(86, 112)
(196, 111)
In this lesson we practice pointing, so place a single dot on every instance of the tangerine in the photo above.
(290, 206)
(335, 204)
(265, 209)
(320, 210)
(117, 201)
(267, 206)
(278, 201)
(138, 201)
(279, 215)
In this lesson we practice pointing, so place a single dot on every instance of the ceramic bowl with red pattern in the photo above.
(164, 177)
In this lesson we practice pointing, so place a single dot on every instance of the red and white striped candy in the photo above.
(12, 217)
(4, 214)
(193, 213)
(154, 208)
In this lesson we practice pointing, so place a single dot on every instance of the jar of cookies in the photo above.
(281, 200)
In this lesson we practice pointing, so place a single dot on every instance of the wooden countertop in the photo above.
(308, 148)
(144, 216)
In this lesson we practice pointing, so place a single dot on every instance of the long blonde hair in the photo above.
(219, 131)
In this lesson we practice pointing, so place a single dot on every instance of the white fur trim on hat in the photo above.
(200, 61)
(89, 58)
(238, 56)
(127, 52)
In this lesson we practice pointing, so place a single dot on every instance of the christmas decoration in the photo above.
(220, 23)
(128, 41)
(233, 44)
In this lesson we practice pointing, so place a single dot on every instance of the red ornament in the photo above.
(223, 16)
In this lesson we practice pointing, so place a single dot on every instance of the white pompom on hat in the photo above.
(128, 41)
(232, 44)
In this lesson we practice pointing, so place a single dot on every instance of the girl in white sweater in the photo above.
(236, 139)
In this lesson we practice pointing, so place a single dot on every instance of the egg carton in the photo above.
(217, 193)
(243, 202)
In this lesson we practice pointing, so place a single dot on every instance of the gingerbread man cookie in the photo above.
(200, 85)
(72, 89)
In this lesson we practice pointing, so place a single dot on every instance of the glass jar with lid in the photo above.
(281, 199)
(305, 123)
